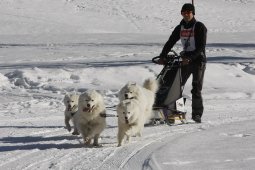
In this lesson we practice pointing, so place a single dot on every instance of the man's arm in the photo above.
(175, 36)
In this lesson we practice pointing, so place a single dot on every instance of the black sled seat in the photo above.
(169, 103)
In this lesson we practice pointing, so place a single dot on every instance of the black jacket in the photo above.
(200, 40)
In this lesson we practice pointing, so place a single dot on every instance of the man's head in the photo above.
(188, 12)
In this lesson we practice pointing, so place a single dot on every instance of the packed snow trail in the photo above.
(217, 144)
(183, 142)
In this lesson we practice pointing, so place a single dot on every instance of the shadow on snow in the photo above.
(34, 139)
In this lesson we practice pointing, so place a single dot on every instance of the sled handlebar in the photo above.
(168, 59)
(175, 53)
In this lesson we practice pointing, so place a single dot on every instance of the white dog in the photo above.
(144, 94)
(71, 104)
(131, 119)
(135, 108)
(91, 116)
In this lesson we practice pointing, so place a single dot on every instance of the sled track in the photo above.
(52, 149)
(133, 154)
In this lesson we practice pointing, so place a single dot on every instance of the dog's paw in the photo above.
(68, 128)
(97, 145)
(75, 133)
(119, 145)
(87, 141)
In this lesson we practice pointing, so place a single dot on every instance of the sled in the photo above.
(169, 106)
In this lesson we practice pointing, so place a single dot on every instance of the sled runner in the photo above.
(169, 103)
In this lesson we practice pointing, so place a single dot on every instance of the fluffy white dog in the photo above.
(71, 109)
(144, 94)
(131, 119)
(135, 108)
(91, 116)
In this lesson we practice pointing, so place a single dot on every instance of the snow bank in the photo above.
(4, 81)
(37, 79)
(68, 80)
(229, 76)
(250, 69)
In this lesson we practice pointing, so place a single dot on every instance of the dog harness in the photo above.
(75, 108)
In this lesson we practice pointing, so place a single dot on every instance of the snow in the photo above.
(52, 47)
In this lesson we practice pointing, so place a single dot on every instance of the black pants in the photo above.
(197, 70)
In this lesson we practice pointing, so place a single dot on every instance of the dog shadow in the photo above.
(35, 127)
(39, 142)
(39, 146)
(21, 143)
(33, 139)
(35, 142)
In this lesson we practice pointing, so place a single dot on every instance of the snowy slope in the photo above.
(51, 47)
(118, 16)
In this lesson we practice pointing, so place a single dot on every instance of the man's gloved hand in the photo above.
(162, 61)
(185, 61)
(182, 53)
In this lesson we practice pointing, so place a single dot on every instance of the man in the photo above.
(193, 38)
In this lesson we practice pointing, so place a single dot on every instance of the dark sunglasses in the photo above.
(186, 12)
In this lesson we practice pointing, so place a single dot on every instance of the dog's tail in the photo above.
(151, 84)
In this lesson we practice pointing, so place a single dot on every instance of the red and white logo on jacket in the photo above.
(187, 38)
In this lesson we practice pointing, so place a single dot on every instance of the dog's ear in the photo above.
(67, 93)
(65, 97)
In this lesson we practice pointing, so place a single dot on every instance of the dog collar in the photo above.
(74, 109)
(73, 113)
(103, 114)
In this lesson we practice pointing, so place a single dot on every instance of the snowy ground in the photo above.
(49, 50)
